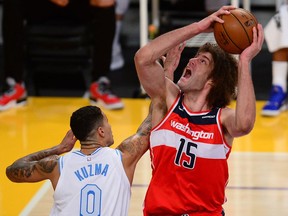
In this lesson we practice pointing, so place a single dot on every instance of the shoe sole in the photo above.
(14, 104)
(116, 106)
(274, 113)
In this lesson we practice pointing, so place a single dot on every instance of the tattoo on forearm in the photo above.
(139, 142)
(145, 127)
(41, 154)
(136, 143)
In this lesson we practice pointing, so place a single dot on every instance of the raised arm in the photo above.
(171, 60)
(40, 165)
(135, 146)
(150, 72)
(241, 121)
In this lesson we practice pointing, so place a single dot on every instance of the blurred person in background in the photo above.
(118, 60)
(98, 15)
(276, 36)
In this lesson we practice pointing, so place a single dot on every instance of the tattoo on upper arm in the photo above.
(47, 165)
(24, 169)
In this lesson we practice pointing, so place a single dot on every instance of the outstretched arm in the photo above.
(241, 122)
(135, 146)
(171, 60)
(40, 165)
(150, 72)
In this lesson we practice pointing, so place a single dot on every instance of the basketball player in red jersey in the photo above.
(192, 127)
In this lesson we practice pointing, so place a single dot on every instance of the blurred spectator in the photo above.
(276, 36)
(98, 15)
(212, 5)
(117, 56)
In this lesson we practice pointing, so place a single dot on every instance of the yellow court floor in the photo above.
(258, 164)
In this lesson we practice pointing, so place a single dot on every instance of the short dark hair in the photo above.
(84, 120)
(224, 76)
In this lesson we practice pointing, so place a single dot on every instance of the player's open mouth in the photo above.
(187, 73)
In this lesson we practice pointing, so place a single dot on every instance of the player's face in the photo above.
(196, 72)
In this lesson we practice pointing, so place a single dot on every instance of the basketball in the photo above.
(235, 34)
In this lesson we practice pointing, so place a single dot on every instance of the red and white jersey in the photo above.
(189, 164)
(93, 184)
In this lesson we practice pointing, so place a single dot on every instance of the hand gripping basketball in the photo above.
(235, 34)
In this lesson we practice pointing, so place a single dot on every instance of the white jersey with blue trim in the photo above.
(93, 185)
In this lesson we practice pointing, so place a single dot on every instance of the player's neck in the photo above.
(88, 149)
(90, 144)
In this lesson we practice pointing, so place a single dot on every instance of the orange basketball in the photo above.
(235, 34)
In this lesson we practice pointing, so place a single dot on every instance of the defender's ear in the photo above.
(101, 131)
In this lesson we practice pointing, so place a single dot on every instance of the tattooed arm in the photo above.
(135, 146)
(40, 165)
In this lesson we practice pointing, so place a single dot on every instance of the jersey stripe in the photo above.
(204, 150)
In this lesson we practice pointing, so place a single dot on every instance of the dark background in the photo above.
(72, 81)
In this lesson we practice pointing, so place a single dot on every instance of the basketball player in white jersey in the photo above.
(192, 126)
(94, 180)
